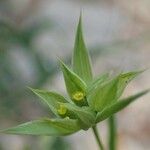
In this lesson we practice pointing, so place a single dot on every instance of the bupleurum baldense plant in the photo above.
(91, 100)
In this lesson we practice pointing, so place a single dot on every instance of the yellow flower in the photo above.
(62, 110)
(78, 96)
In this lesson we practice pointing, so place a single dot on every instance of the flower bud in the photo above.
(62, 110)
(78, 96)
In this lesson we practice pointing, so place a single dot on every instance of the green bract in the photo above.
(91, 100)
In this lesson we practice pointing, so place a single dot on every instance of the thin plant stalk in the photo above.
(97, 137)
(112, 133)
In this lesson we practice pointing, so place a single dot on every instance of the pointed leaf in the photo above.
(81, 60)
(74, 83)
(124, 79)
(103, 95)
(119, 105)
(84, 114)
(96, 82)
(110, 91)
(53, 127)
(50, 98)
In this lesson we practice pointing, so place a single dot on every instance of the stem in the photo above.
(99, 142)
(112, 133)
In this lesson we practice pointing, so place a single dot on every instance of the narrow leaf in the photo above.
(53, 127)
(107, 93)
(81, 60)
(50, 98)
(124, 80)
(74, 83)
(96, 82)
(119, 105)
(103, 95)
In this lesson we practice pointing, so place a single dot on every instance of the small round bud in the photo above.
(78, 96)
(62, 110)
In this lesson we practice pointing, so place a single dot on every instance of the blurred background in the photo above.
(34, 32)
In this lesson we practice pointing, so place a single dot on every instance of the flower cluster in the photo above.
(91, 100)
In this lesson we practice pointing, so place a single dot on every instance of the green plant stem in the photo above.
(112, 133)
(99, 142)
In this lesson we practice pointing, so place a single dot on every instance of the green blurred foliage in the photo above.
(13, 93)
(59, 144)
(12, 85)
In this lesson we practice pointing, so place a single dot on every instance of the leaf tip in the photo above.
(61, 63)
(31, 89)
